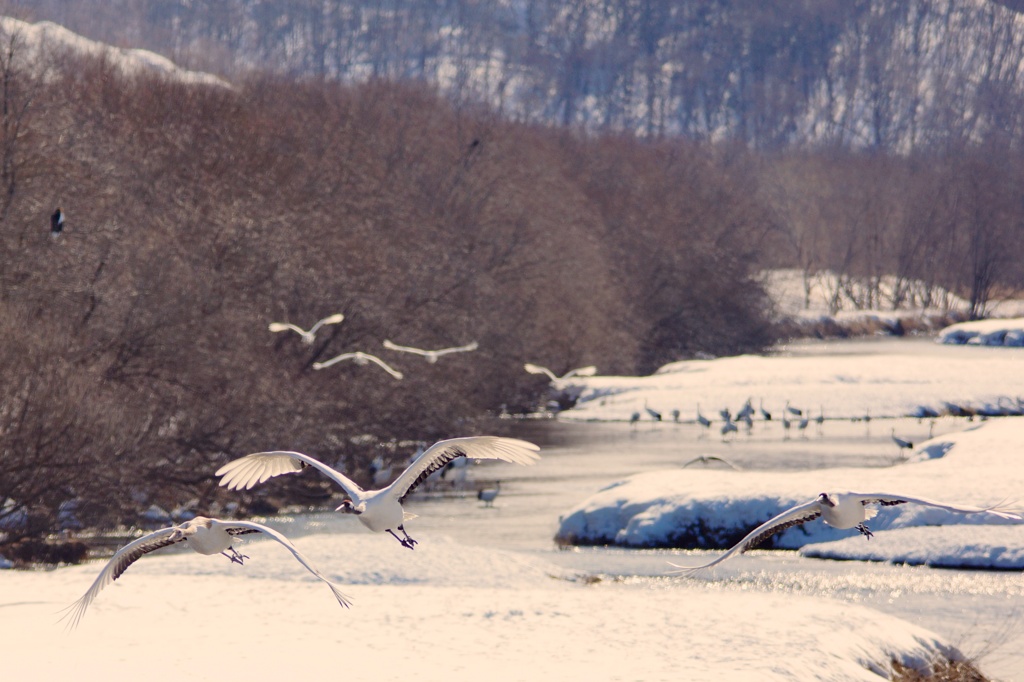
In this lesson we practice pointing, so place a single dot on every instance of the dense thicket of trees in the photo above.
(136, 355)
(884, 74)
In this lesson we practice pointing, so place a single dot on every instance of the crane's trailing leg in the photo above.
(406, 541)
(865, 531)
(235, 556)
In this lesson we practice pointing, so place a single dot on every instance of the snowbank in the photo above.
(922, 380)
(997, 332)
(714, 509)
(989, 547)
(444, 612)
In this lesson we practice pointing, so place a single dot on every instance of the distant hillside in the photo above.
(48, 36)
(889, 74)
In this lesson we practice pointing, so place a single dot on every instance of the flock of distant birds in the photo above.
(745, 416)
(380, 510)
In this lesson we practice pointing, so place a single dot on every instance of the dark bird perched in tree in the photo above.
(57, 223)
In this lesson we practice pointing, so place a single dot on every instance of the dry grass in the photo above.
(939, 671)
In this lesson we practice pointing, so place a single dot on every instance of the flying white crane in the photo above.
(842, 510)
(708, 459)
(205, 536)
(431, 355)
(379, 510)
(487, 495)
(588, 371)
(307, 336)
(360, 358)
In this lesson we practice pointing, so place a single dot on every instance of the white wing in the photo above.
(245, 472)
(285, 326)
(458, 349)
(387, 368)
(330, 319)
(537, 369)
(361, 358)
(117, 565)
(802, 513)
(588, 371)
(888, 500)
(335, 360)
(477, 447)
(228, 525)
(405, 349)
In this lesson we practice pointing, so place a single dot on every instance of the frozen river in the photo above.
(979, 611)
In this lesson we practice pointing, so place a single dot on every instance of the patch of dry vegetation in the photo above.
(135, 355)
(946, 670)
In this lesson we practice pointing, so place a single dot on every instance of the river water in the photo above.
(979, 611)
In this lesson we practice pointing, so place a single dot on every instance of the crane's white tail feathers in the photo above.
(251, 470)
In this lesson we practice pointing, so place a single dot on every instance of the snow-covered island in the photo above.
(993, 332)
(713, 509)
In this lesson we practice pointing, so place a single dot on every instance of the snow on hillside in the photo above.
(714, 508)
(446, 612)
(47, 35)
(994, 332)
(821, 301)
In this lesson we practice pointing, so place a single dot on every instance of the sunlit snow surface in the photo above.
(842, 380)
(487, 594)
(978, 467)
(446, 611)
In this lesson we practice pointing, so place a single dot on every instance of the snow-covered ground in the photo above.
(444, 612)
(993, 332)
(822, 296)
(714, 507)
(844, 380)
(488, 594)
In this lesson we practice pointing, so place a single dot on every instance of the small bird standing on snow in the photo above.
(56, 223)
(842, 510)
(487, 495)
(205, 536)
(379, 510)
(307, 336)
